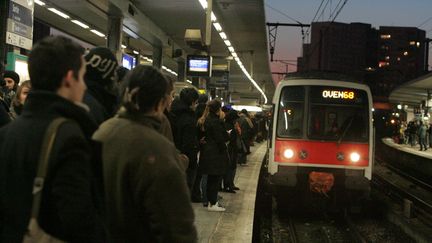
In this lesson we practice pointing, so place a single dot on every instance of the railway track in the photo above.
(322, 228)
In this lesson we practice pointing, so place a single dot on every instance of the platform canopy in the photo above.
(413, 92)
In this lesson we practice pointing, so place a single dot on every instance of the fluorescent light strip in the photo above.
(187, 80)
(97, 33)
(224, 37)
(59, 13)
(40, 3)
(123, 46)
(203, 3)
(213, 17)
(217, 26)
(80, 24)
(135, 52)
(227, 42)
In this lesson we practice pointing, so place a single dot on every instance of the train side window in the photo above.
(291, 112)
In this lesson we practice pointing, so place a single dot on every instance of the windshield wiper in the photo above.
(345, 131)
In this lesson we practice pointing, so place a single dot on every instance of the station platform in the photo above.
(408, 149)
(409, 160)
(236, 223)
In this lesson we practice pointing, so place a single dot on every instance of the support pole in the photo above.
(4, 12)
(114, 37)
(208, 23)
(181, 66)
(157, 57)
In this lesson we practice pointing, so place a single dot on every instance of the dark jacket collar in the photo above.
(149, 121)
(179, 107)
(49, 105)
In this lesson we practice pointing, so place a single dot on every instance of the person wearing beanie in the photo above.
(185, 132)
(11, 79)
(100, 76)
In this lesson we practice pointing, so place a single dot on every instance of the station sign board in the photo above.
(20, 23)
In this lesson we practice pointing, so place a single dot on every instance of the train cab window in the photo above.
(338, 114)
(291, 112)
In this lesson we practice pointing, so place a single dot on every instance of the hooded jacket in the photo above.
(146, 192)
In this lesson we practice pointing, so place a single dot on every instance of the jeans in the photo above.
(204, 188)
(213, 185)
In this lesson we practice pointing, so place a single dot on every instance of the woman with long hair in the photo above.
(20, 98)
(214, 155)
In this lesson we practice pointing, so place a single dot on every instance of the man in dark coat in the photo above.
(4, 109)
(185, 134)
(69, 209)
(99, 78)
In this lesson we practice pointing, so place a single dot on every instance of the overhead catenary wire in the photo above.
(424, 22)
(284, 14)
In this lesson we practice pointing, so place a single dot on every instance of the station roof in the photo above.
(242, 21)
(413, 92)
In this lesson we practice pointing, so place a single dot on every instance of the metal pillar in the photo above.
(115, 35)
(157, 57)
(181, 66)
(4, 12)
(208, 23)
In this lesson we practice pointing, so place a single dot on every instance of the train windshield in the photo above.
(333, 113)
(291, 112)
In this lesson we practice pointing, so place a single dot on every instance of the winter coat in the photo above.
(246, 127)
(145, 187)
(102, 103)
(230, 124)
(70, 206)
(185, 133)
(4, 113)
(422, 131)
(214, 157)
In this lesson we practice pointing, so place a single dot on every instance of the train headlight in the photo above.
(288, 153)
(355, 157)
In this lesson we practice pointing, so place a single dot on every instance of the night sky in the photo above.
(410, 13)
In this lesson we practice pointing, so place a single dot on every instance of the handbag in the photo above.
(35, 234)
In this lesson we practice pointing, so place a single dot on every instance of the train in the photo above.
(322, 136)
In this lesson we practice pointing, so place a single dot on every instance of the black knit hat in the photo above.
(101, 65)
(13, 75)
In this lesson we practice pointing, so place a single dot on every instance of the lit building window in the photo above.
(385, 36)
(387, 58)
(418, 44)
(398, 59)
(412, 43)
(383, 64)
(405, 53)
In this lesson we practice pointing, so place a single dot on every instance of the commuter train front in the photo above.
(322, 136)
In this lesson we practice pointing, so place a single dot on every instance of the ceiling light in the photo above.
(188, 81)
(223, 35)
(98, 33)
(80, 23)
(227, 42)
(135, 52)
(40, 3)
(123, 46)
(231, 49)
(234, 54)
(203, 3)
(217, 26)
(59, 13)
(213, 17)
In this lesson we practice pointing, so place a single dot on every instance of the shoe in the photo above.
(215, 208)
(205, 205)
(235, 188)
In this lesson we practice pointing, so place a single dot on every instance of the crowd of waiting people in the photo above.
(414, 132)
(127, 159)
